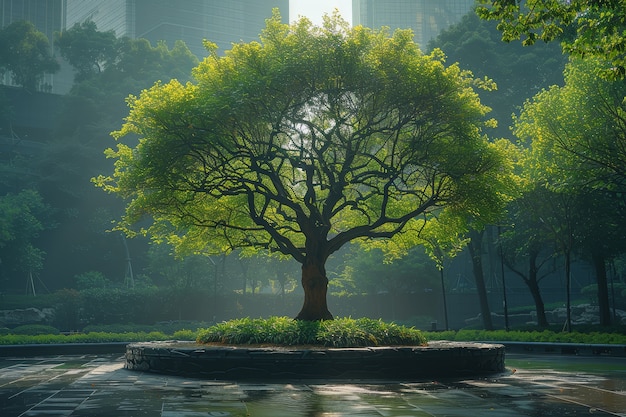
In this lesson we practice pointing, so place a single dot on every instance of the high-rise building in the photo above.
(425, 17)
(219, 21)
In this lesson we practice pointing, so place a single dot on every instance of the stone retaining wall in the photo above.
(439, 359)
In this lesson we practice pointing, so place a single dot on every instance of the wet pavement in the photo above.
(98, 385)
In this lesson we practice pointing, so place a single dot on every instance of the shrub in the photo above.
(185, 334)
(34, 330)
(341, 332)
(546, 336)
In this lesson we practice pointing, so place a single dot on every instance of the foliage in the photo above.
(577, 137)
(61, 168)
(130, 304)
(545, 336)
(518, 72)
(92, 337)
(172, 327)
(26, 53)
(585, 28)
(371, 272)
(34, 329)
(283, 331)
(92, 279)
(618, 293)
(86, 49)
(288, 171)
(580, 130)
(23, 217)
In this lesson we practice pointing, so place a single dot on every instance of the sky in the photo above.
(315, 9)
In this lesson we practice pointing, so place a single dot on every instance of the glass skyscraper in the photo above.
(219, 21)
(425, 17)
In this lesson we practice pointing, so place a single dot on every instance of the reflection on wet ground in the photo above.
(92, 385)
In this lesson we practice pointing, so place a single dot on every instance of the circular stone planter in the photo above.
(438, 359)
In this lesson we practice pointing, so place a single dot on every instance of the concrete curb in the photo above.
(62, 349)
(579, 349)
(438, 359)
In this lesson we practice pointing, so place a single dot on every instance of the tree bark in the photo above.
(475, 249)
(603, 288)
(315, 285)
(533, 285)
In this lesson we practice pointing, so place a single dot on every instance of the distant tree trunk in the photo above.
(282, 280)
(475, 249)
(568, 289)
(531, 279)
(533, 286)
(603, 288)
(315, 284)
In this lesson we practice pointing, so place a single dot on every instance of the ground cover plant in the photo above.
(284, 331)
(8, 338)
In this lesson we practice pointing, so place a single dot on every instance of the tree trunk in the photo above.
(533, 286)
(475, 249)
(603, 288)
(315, 284)
(568, 290)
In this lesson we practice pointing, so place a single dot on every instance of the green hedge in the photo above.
(96, 337)
(528, 336)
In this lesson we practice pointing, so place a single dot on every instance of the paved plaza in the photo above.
(98, 385)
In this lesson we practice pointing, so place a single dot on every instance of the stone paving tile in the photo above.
(97, 386)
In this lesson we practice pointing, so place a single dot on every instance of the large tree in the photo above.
(594, 28)
(313, 138)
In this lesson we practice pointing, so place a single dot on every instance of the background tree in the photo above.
(528, 248)
(518, 72)
(26, 54)
(87, 50)
(314, 138)
(578, 139)
(60, 165)
(595, 28)
(372, 272)
(23, 217)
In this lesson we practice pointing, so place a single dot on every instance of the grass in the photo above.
(284, 331)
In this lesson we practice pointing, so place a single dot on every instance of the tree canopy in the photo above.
(313, 138)
(25, 52)
(579, 130)
(86, 49)
(519, 72)
(584, 27)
